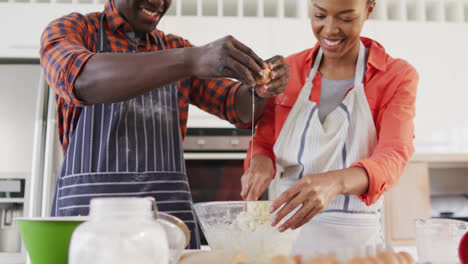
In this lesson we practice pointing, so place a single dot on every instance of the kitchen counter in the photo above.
(410, 249)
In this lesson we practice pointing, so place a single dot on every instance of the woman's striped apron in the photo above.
(130, 148)
(306, 146)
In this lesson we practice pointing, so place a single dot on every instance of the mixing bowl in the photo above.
(244, 226)
(437, 240)
(47, 239)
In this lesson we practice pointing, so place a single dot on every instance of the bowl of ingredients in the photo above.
(244, 226)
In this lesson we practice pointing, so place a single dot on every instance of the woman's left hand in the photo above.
(314, 192)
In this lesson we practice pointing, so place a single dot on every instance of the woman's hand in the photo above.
(279, 75)
(257, 178)
(314, 192)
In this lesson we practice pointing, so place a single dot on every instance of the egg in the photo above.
(400, 258)
(388, 258)
(317, 261)
(363, 260)
(266, 72)
(331, 259)
(280, 259)
(374, 260)
(240, 257)
(297, 259)
(406, 257)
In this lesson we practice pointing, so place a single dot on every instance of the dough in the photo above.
(257, 215)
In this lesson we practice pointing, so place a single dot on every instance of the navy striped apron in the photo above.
(131, 148)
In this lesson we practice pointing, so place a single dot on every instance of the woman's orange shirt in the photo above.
(390, 86)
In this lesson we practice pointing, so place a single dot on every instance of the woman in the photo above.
(340, 135)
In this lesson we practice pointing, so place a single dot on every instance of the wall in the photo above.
(18, 99)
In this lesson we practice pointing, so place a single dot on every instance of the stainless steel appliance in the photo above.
(23, 105)
(214, 159)
(450, 206)
(10, 240)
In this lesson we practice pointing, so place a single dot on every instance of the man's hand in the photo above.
(257, 178)
(279, 74)
(227, 58)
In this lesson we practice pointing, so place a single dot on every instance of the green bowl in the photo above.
(47, 239)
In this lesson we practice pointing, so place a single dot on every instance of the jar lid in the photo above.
(121, 205)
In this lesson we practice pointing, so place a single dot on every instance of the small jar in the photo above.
(120, 231)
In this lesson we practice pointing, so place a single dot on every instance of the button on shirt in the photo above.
(390, 85)
(68, 42)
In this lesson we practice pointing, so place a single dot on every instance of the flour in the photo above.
(256, 216)
(251, 232)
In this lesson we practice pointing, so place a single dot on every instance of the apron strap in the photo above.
(358, 76)
(101, 43)
(360, 69)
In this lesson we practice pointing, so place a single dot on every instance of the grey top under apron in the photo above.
(332, 94)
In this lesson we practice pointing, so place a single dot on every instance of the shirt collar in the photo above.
(377, 56)
(115, 21)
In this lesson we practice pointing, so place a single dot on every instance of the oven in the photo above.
(214, 159)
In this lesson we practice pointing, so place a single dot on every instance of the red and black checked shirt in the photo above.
(68, 42)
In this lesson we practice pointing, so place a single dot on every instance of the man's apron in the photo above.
(130, 148)
(306, 146)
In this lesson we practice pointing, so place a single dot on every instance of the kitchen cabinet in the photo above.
(427, 176)
(407, 201)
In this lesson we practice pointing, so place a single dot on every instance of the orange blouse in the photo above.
(390, 85)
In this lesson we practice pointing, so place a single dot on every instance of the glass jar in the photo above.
(119, 231)
(437, 240)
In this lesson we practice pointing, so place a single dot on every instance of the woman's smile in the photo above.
(331, 44)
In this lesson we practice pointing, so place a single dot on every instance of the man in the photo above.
(122, 91)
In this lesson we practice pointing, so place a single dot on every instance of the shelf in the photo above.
(12, 258)
(11, 200)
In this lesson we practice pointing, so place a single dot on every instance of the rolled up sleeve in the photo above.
(63, 54)
(217, 96)
(395, 140)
